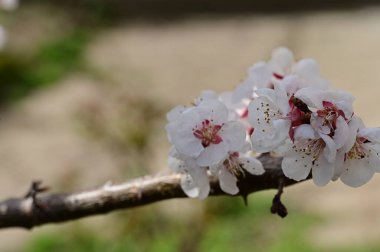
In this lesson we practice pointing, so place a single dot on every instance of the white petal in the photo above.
(296, 167)
(282, 60)
(305, 131)
(307, 67)
(265, 140)
(227, 182)
(260, 74)
(243, 90)
(252, 165)
(184, 141)
(214, 169)
(233, 134)
(267, 93)
(341, 132)
(206, 95)
(356, 173)
(175, 113)
(341, 99)
(214, 110)
(310, 96)
(323, 171)
(339, 164)
(374, 156)
(258, 114)
(176, 165)
(196, 184)
(330, 150)
(282, 100)
(353, 128)
(291, 84)
(189, 186)
(213, 154)
(372, 134)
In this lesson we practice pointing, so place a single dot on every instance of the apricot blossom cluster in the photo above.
(283, 106)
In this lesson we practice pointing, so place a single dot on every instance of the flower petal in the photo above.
(311, 96)
(339, 164)
(323, 171)
(206, 95)
(330, 150)
(233, 134)
(261, 112)
(196, 184)
(308, 69)
(260, 74)
(353, 127)
(227, 182)
(175, 113)
(176, 165)
(305, 131)
(282, 100)
(282, 60)
(213, 154)
(355, 173)
(341, 132)
(213, 110)
(184, 141)
(296, 167)
(252, 165)
(372, 134)
(374, 156)
(264, 140)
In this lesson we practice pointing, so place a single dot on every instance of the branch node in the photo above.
(35, 189)
(277, 206)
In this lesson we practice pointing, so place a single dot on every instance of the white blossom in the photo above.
(282, 106)
(203, 132)
(234, 166)
(359, 158)
(313, 152)
(194, 181)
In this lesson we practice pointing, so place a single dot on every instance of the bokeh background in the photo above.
(84, 88)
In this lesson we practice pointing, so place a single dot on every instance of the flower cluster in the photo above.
(283, 106)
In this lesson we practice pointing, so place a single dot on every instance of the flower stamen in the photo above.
(208, 133)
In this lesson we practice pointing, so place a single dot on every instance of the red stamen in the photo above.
(278, 76)
(245, 113)
(208, 133)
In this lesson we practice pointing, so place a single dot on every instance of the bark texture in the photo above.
(37, 209)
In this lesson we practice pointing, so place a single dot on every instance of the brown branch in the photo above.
(34, 210)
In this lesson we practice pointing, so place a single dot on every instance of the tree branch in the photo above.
(35, 210)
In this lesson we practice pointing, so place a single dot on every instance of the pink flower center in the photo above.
(232, 164)
(357, 151)
(330, 114)
(299, 114)
(208, 133)
(310, 147)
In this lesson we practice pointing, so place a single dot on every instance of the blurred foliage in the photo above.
(52, 60)
(124, 122)
(125, 125)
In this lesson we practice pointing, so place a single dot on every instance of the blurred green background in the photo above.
(84, 88)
